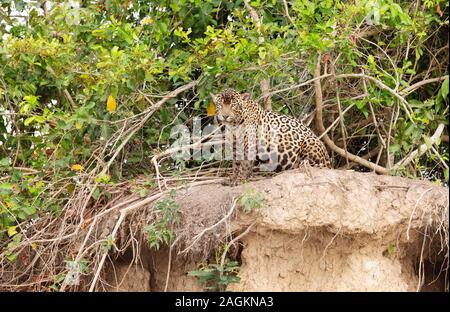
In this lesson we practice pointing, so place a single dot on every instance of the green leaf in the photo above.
(97, 193)
(12, 231)
(444, 88)
(6, 188)
(390, 248)
(428, 141)
(4, 162)
(11, 257)
(394, 148)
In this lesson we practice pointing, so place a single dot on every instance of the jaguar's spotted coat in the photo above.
(283, 142)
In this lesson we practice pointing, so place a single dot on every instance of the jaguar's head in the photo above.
(229, 105)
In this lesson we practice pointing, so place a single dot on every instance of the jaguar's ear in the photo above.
(245, 96)
(214, 97)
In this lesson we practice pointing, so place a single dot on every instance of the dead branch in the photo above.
(326, 138)
(419, 84)
(286, 10)
(341, 119)
(265, 84)
(422, 148)
(235, 239)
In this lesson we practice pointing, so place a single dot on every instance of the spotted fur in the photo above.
(277, 139)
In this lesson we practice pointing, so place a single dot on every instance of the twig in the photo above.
(179, 148)
(341, 119)
(295, 86)
(169, 263)
(265, 84)
(440, 157)
(395, 112)
(381, 85)
(286, 9)
(158, 104)
(414, 210)
(397, 81)
(222, 259)
(419, 84)
(70, 99)
(265, 90)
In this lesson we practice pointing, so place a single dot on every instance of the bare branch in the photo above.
(265, 90)
(326, 138)
(419, 84)
(265, 84)
(422, 148)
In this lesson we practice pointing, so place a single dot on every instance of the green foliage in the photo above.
(390, 249)
(215, 277)
(160, 231)
(251, 200)
(76, 269)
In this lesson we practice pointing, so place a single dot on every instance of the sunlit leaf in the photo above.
(111, 104)
(211, 109)
(77, 167)
(12, 231)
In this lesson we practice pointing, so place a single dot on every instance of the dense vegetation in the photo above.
(82, 87)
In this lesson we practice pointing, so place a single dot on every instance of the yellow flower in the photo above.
(211, 110)
(76, 167)
(111, 104)
(146, 20)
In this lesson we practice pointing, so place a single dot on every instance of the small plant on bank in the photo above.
(215, 277)
(251, 200)
(160, 232)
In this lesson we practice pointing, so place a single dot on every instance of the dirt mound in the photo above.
(317, 230)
